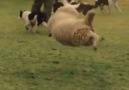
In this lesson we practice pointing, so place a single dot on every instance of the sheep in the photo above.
(33, 20)
(109, 3)
(65, 26)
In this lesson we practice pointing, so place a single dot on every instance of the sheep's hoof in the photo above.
(50, 35)
(102, 38)
(95, 48)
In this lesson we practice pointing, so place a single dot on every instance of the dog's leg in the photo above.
(110, 5)
(116, 5)
(101, 7)
(109, 8)
(28, 27)
(35, 28)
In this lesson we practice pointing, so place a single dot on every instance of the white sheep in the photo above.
(67, 28)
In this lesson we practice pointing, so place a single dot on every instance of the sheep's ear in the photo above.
(89, 18)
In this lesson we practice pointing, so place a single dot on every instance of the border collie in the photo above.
(83, 7)
(109, 3)
(33, 20)
(57, 4)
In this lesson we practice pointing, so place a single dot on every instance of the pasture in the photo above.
(37, 62)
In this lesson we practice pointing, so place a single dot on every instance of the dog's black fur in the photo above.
(41, 17)
(101, 4)
(57, 5)
(84, 8)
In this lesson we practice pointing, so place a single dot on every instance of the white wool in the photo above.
(66, 27)
(62, 16)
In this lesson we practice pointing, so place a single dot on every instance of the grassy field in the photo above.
(37, 62)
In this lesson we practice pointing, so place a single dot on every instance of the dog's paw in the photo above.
(26, 27)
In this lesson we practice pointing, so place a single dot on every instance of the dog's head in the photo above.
(23, 14)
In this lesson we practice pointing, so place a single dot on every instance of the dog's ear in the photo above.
(21, 12)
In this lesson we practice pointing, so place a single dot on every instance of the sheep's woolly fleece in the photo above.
(67, 28)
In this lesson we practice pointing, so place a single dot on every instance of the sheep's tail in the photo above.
(89, 18)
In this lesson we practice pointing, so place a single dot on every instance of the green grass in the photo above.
(37, 62)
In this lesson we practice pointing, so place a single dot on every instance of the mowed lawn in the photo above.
(37, 62)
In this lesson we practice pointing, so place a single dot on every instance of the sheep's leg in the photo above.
(96, 39)
(45, 24)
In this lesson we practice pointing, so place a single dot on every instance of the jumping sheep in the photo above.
(68, 29)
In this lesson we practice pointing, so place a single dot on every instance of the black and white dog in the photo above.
(109, 3)
(83, 7)
(33, 20)
(57, 4)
